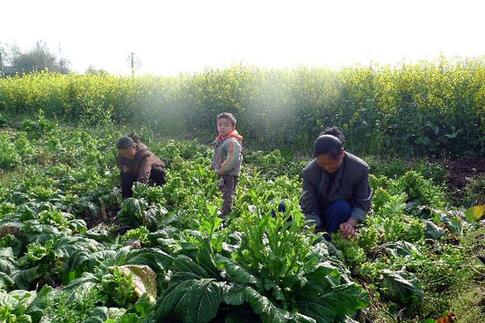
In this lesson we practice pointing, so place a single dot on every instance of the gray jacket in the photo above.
(228, 155)
(351, 183)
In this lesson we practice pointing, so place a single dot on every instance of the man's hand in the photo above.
(348, 228)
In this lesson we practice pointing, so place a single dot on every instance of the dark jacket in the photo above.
(351, 183)
(141, 166)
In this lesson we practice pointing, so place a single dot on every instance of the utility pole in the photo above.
(132, 64)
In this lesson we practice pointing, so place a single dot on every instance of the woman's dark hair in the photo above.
(330, 142)
(135, 138)
(127, 141)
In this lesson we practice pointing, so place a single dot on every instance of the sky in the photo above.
(186, 36)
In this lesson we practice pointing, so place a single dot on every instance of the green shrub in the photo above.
(427, 108)
(9, 157)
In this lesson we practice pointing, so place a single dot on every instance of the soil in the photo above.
(109, 217)
(463, 171)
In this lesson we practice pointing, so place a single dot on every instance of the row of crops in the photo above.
(72, 251)
(428, 108)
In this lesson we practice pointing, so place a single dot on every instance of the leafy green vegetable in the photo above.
(401, 287)
(192, 300)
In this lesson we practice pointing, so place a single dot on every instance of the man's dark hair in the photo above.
(229, 116)
(330, 142)
(336, 132)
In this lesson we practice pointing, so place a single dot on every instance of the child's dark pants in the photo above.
(228, 190)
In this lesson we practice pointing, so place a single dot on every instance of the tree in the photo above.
(91, 70)
(3, 59)
(37, 59)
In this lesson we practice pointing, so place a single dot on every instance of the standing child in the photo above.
(227, 158)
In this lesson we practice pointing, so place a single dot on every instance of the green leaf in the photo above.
(194, 300)
(144, 306)
(346, 299)
(86, 282)
(329, 295)
(401, 287)
(41, 302)
(97, 315)
(156, 259)
(66, 246)
(235, 272)
(235, 295)
(205, 258)
(400, 248)
(185, 268)
(264, 307)
(7, 260)
(14, 304)
(23, 319)
(456, 225)
(40, 233)
(433, 231)
(132, 211)
(24, 278)
(129, 318)
(322, 278)
(6, 282)
(84, 261)
(340, 301)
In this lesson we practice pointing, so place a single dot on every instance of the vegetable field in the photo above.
(71, 250)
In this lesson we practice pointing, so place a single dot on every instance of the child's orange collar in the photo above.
(233, 133)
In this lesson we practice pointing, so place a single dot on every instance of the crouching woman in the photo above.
(138, 164)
